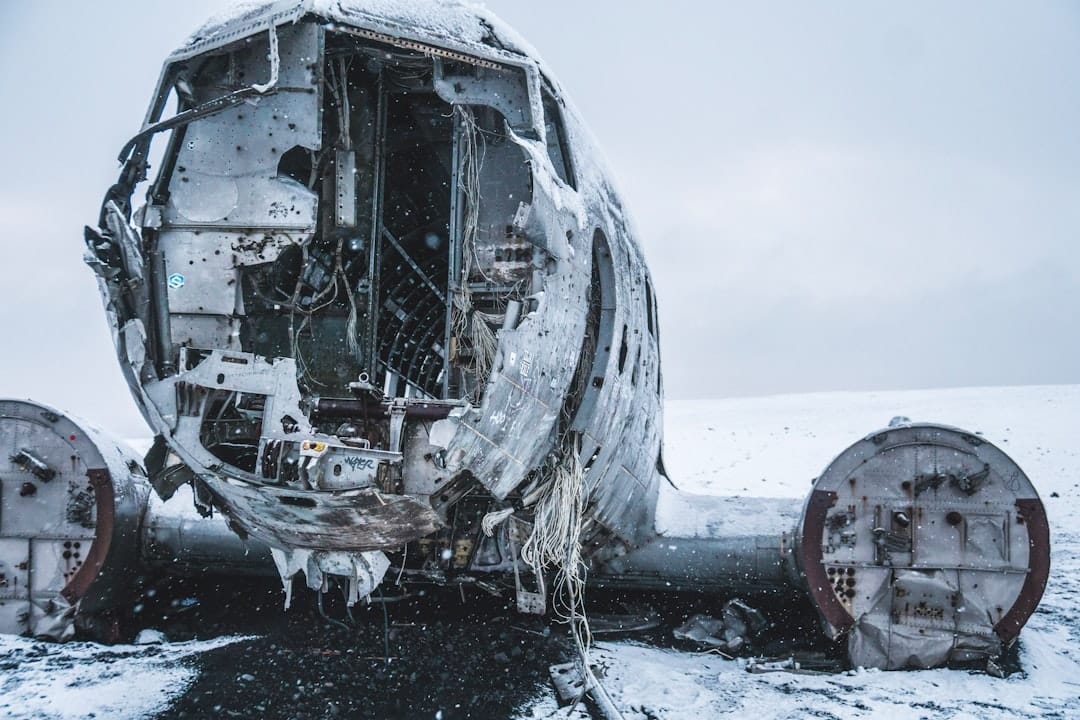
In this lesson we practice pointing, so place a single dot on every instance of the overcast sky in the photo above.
(832, 196)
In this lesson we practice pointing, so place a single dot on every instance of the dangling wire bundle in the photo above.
(338, 86)
(492, 519)
(555, 541)
(467, 322)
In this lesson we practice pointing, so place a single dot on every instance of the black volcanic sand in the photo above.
(449, 658)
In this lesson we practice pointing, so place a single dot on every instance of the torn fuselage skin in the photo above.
(375, 285)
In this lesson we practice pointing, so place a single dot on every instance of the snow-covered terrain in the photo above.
(651, 682)
(775, 446)
(86, 680)
(756, 448)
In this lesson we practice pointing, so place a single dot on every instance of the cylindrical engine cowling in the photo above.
(78, 526)
(71, 504)
(925, 545)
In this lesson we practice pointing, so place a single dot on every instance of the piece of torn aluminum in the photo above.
(637, 618)
(57, 620)
(795, 666)
(893, 638)
(362, 571)
(571, 686)
(736, 630)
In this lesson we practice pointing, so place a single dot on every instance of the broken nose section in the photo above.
(924, 545)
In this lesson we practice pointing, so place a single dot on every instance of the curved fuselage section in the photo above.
(380, 286)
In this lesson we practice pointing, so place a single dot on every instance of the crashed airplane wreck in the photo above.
(383, 308)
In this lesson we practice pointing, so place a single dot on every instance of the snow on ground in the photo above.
(646, 681)
(772, 448)
(86, 680)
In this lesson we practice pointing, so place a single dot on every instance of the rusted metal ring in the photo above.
(105, 501)
(1034, 515)
(810, 559)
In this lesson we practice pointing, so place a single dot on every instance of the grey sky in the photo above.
(831, 195)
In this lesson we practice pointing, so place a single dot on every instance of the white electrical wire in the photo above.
(556, 542)
(494, 518)
(468, 322)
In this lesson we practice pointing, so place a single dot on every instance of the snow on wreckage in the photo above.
(383, 307)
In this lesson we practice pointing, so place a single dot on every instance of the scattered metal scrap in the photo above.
(735, 631)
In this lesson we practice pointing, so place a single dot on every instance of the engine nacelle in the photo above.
(78, 526)
(923, 544)
(920, 545)
(71, 503)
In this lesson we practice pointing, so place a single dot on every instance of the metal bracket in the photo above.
(528, 602)
(397, 424)
(345, 187)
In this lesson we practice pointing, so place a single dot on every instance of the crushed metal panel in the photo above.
(359, 520)
(227, 175)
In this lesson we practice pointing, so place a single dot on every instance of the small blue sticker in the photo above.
(176, 281)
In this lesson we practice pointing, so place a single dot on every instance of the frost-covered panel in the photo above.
(227, 165)
(450, 20)
(621, 432)
(205, 331)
